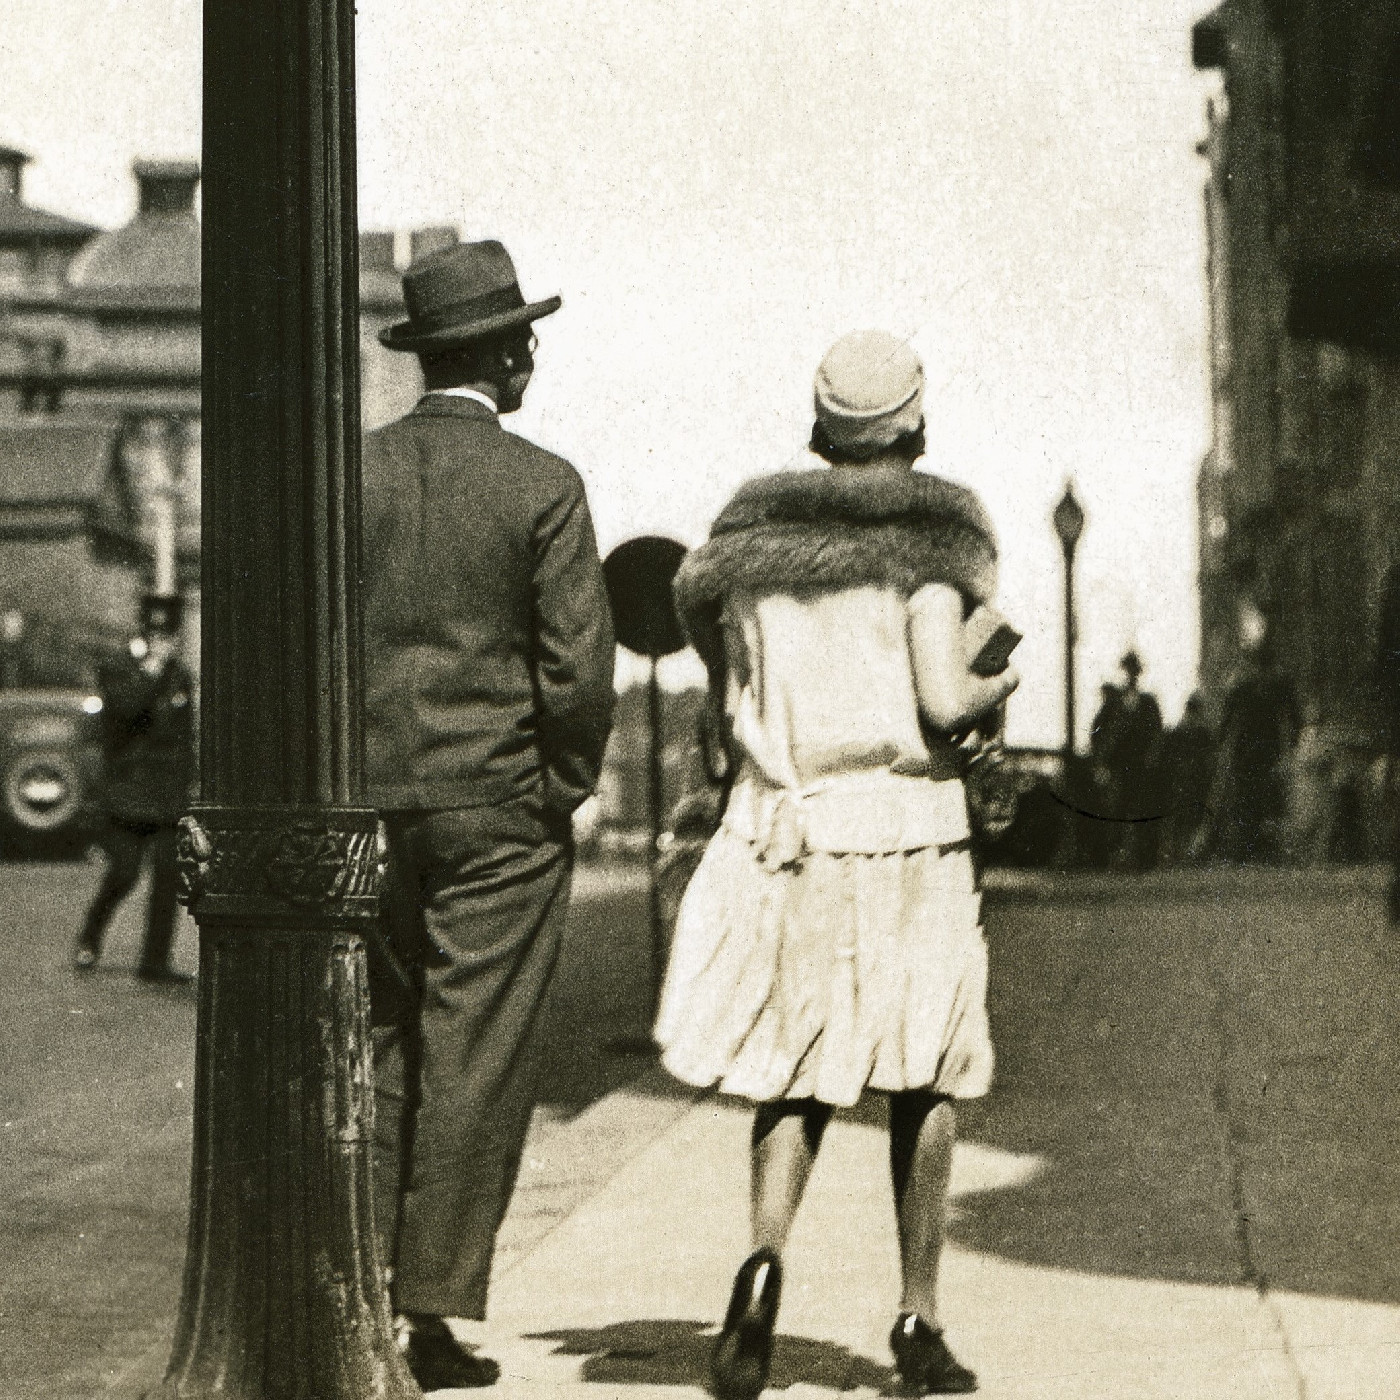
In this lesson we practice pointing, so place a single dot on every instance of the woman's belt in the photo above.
(869, 813)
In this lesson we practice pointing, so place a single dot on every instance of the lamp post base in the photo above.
(282, 1297)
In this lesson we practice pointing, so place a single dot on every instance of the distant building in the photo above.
(70, 548)
(1299, 495)
(100, 334)
(35, 246)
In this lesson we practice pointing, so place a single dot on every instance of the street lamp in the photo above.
(1068, 518)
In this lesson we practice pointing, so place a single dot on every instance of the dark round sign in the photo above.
(639, 574)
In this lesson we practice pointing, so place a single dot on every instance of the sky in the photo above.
(721, 190)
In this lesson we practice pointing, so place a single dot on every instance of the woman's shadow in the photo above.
(668, 1351)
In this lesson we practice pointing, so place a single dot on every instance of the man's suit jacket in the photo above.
(488, 636)
(147, 740)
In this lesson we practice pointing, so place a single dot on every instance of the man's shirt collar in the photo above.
(474, 394)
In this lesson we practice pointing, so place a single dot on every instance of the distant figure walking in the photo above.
(1126, 745)
(1259, 730)
(1188, 768)
(829, 942)
(148, 766)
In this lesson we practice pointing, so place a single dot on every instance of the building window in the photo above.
(1341, 434)
(42, 391)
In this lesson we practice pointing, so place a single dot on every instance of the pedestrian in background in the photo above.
(1188, 767)
(829, 942)
(489, 691)
(148, 767)
(1126, 743)
(1387, 678)
(1259, 730)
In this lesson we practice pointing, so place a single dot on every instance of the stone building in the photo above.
(1299, 494)
(100, 341)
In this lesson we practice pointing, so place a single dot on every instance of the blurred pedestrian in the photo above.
(148, 766)
(1259, 729)
(1188, 767)
(489, 692)
(1128, 739)
(829, 942)
(1388, 697)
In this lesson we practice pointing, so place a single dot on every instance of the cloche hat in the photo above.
(459, 294)
(869, 392)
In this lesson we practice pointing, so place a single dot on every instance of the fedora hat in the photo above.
(460, 294)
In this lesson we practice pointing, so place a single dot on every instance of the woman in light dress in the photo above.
(829, 942)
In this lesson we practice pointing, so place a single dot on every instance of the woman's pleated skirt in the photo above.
(829, 976)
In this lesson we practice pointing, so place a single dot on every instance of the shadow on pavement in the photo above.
(667, 1351)
(599, 1015)
(1212, 1089)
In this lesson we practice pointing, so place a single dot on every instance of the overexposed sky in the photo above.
(720, 190)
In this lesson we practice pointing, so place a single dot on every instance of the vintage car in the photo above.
(50, 766)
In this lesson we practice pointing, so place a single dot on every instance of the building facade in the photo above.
(100, 342)
(1299, 494)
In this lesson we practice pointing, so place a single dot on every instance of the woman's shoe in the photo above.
(923, 1360)
(744, 1347)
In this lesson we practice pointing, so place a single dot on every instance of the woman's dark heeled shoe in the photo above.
(744, 1347)
(925, 1365)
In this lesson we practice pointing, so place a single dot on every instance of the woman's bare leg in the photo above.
(786, 1137)
(923, 1128)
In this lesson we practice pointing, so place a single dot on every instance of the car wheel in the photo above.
(42, 796)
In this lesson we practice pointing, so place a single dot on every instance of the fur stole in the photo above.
(837, 527)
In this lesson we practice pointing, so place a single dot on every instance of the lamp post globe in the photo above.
(1068, 520)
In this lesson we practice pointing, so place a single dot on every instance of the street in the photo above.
(1184, 1183)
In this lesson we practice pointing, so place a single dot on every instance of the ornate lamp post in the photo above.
(283, 1294)
(1068, 518)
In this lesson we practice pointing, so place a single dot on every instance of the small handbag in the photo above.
(992, 788)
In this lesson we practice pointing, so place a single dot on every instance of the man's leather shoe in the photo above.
(438, 1360)
(925, 1365)
(744, 1347)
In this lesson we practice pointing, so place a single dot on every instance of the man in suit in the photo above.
(489, 692)
(148, 765)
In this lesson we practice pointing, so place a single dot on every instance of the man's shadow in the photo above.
(668, 1351)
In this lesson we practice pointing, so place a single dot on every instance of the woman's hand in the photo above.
(951, 697)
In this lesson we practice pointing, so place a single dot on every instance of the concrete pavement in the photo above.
(1185, 1183)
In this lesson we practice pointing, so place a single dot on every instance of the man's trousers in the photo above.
(125, 842)
(477, 900)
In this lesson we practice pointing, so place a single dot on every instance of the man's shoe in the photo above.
(166, 975)
(925, 1365)
(438, 1360)
(744, 1347)
(85, 959)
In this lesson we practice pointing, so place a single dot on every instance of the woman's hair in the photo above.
(911, 446)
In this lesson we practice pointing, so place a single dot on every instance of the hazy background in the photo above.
(718, 191)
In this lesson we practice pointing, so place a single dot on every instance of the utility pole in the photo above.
(283, 1293)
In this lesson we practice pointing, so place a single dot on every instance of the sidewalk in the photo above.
(1186, 1183)
(619, 1299)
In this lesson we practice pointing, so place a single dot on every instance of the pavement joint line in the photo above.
(522, 1253)
(1251, 1274)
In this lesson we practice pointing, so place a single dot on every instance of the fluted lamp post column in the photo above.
(283, 1294)
(1068, 519)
